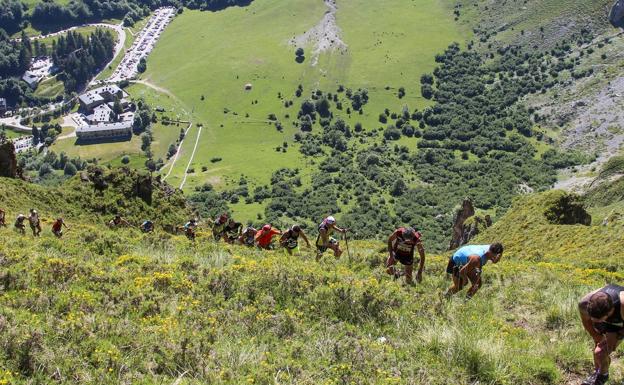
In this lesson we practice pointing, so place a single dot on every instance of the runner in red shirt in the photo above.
(265, 236)
(57, 227)
(401, 246)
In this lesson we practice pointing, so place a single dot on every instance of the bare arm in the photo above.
(305, 238)
(586, 319)
(421, 252)
(340, 230)
(391, 240)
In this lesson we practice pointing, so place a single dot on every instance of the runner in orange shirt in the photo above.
(265, 236)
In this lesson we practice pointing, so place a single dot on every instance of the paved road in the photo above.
(14, 122)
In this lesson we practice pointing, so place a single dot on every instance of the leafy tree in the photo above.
(426, 91)
(45, 169)
(142, 66)
(392, 133)
(426, 79)
(70, 169)
(322, 106)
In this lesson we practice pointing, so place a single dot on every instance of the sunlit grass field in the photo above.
(121, 307)
(215, 54)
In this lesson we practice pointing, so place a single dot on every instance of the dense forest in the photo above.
(11, 15)
(79, 57)
(82, 10)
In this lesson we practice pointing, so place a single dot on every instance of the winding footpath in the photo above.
(175, 157)
(191, 159)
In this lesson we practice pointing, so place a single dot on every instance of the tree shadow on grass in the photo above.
(88, 142)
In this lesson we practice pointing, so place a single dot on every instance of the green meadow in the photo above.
(212, 55)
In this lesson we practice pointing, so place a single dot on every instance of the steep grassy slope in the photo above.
(110, 307)
(532, 237)
(542, 23)
(121, 191)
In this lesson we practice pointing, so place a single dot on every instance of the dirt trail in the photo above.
(191, 159)
(159, 89)
(175, 157)
(325, 36)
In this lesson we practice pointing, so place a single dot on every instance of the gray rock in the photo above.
(616, 16)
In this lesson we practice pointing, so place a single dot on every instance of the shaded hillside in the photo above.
(96, 195)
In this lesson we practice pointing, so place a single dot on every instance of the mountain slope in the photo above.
(110, 307)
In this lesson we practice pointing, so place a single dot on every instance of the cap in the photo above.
(331, 220)
(266, 227)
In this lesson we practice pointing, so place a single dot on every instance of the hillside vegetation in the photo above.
(116, 306)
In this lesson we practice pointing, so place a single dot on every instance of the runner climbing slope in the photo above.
(147, 226)
(118, 221)
(601, 315)
(218, 227)
(290, 239)
(467, 264)
(232, 230)
(264, 237)
(57, 227)
(189, 229)
(401, 246)
(35, 223)
(19, 224)
(248, 237)
(325, 240)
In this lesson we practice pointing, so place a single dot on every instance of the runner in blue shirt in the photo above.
(466, 264)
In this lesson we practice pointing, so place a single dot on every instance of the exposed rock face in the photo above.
(568, 210)
(616, 17)
(8, 161)
(467, 225)
(144, 188)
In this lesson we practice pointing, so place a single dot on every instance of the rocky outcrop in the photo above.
(8, 160)
(567, 210)
(144, 188)
(614, 218)
(467, 225)
(616, 16)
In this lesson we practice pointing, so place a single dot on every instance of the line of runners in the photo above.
(601, 310)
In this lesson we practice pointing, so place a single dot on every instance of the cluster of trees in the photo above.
(475, 140)
(47, 133)
(14, 57)
(79, 57)
(214, 5)
(11, 15)
(142, 125)
(50, 13)
(45, 164)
